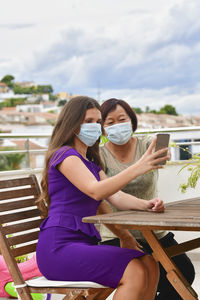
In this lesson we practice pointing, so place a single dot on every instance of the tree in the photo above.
(147, 109)
(45, 89)
(153, 111)
(12, 102)
(137, 110)
(40, 89)
(62, 102)
(17, 89)
(8, 80)
(168, 109)
(52, 97)
(10, 161)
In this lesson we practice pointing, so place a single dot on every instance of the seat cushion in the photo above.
(43, 282)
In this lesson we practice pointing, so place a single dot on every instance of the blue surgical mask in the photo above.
(89, 133)
(120, 133)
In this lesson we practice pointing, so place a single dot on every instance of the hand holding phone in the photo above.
(162, 142)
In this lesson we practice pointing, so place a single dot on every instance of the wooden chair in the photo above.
(19, 228)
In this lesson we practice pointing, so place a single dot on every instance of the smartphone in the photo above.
(162, 142)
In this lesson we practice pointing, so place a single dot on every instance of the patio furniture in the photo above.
(20, 219)
(181, 215)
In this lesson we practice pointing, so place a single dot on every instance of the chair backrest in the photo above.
(19, 216)
(19, 229)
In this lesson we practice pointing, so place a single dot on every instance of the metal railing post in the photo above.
(27, 148)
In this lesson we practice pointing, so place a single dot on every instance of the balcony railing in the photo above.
(168, 182)
(169, 179)
(28, 137)
(191, 134)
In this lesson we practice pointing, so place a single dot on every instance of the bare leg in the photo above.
(153, 276)
(139, 281)
(133, 283)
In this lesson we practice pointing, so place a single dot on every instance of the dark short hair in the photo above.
(111, 104)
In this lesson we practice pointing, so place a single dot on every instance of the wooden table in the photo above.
(181, 215)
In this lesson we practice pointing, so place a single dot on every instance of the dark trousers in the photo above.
(184, 264)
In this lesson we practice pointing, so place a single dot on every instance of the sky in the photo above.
(145, 52)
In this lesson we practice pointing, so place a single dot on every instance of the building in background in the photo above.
(26, 84)
(3, 87)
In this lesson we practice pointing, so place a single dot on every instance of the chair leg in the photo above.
(100, 295)
(92, 295)
(24, 294)
(74, 296)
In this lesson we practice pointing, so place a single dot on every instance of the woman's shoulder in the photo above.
(102, 148)
(144, 141)
(105, 155)
(104, 151)
(65, 151)
(62, 153)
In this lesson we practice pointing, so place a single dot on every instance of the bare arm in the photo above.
(124, 201)
(85, 181)
(121, 233)
(126, 238)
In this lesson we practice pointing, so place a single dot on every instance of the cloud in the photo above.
(16, 26)
(146, 51)
(186, 102)
(164, 54)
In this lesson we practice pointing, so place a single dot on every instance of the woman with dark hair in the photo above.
(73, 185)
(123, 150)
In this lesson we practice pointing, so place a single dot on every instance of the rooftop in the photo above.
(150, 120)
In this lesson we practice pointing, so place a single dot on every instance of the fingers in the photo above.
(156, 205)
(159, 160)
(159, 206)
(152, 145)
(160, 156)
(169, 154)
(161, 152)
(139, 245)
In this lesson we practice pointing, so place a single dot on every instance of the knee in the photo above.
(135, 272)
(151, 264)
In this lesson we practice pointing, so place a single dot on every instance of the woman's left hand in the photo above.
(156, 205)
(130, 243)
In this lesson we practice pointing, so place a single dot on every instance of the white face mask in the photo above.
(120, 133)
(89, 133)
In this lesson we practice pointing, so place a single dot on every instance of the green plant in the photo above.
(103, 139)
(22, 258)
(194, 170)
(10, 161)
(193, 167)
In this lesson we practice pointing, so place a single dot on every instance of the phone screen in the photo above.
(162, 142)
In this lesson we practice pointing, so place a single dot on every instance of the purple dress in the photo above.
(67, 248)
